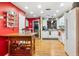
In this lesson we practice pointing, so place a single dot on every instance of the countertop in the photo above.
(17, 34)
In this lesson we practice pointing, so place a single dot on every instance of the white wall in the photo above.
(21, 23)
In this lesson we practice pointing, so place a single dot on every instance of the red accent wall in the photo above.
(6, 6)
(30, 20)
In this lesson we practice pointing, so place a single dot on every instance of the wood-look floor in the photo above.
(49, 48)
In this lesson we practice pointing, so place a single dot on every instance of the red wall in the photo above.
(30, 20)
(6, 6)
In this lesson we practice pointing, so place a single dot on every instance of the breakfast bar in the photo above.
(20, 44)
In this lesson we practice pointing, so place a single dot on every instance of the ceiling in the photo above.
(37, 9)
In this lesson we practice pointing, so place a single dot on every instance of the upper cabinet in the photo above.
(60, 23)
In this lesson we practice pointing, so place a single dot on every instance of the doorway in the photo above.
(36, 27)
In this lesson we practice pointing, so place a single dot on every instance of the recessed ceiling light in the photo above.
(42, 12)
(31, 12)
(39, 6)
(26, 7)
(34, 15)
(54, 14)
(57, 11)
(62, 4)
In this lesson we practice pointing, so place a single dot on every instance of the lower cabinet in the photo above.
(61, 37)
(21, 46)
(3, 47)
(47, 34)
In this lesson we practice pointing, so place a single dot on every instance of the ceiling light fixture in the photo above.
(57, 11)
(62, 4)
(26, 7)
(34, 15)
(31, 12)
(54, 14)
(42, 12)
(39, 6)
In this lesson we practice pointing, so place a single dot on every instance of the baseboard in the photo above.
(50, 38)
(61, 42)
(66, 53)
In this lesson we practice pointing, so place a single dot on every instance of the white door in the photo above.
(21, 23)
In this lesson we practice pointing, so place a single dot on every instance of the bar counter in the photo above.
(20, 44)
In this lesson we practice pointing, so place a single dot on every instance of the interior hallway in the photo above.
(49, 48)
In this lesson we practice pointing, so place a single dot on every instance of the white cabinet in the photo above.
(70, 41)
(62, 37)
(54, 34)
(45, 34)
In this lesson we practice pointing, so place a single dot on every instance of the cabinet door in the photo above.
(70, 43)
(54, 34)
(45, 34)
